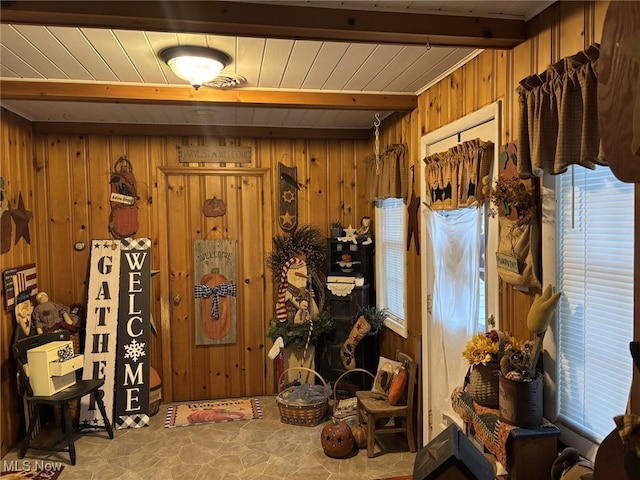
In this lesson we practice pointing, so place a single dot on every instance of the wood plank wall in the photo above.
(563, 29)
(65, 179)
(16, 168)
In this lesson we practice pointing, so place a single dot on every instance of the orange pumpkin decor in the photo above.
(336, 439)
(359, 433)
(214, 207)
(215, 328)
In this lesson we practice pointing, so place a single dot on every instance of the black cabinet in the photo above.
(349, 259)
(327, 359)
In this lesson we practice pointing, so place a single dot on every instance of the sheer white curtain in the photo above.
(455, 238)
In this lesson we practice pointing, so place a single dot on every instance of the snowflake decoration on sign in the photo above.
(134, 350)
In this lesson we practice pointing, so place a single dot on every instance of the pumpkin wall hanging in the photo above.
(214, 207)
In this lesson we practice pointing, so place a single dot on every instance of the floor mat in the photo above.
(214, 411)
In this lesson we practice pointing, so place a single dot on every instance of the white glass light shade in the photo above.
(196, 65)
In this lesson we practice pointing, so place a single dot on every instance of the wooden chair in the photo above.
(373, 406)
(61, 399)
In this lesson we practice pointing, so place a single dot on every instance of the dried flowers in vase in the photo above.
(508, 193)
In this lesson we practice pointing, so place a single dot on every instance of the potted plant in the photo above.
(336, 228)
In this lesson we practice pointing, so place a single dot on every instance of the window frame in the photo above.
(393, 322)
(569, 435)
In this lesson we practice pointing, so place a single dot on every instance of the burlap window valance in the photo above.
(388, 178)
(559, 117)
(452, 176)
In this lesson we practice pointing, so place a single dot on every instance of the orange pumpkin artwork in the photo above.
(215, 328)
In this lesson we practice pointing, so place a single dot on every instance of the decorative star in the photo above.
(349, 235)
(21, 218)
(287, 219)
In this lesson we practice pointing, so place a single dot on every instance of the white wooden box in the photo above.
(47, 374)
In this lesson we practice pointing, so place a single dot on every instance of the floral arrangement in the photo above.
(485, 347)
(481, 349)
(295, 335)
(508, 193)
(517, 361)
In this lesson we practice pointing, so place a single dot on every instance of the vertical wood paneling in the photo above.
(65, 182)
(17, 170)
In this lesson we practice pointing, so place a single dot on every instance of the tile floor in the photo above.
(262, 449)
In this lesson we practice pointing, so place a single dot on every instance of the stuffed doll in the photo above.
(48, 316)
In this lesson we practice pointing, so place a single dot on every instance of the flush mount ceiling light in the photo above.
(197, 65)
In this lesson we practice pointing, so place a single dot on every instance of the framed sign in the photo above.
(215, 291)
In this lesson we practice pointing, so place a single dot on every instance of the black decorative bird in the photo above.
(290, 180)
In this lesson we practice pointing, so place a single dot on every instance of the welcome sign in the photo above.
(101, 329)
(134, 314)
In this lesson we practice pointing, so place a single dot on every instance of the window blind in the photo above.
(595, 315)
(390, 257)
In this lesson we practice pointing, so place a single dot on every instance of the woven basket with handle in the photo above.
(309, 414)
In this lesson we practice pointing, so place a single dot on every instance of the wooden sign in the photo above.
(134, 313)
(101, 328)
(212, 154)
(508, 262)
(17, 280)
(215, 291)
(287, 197)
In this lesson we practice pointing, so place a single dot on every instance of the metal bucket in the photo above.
(521, 402)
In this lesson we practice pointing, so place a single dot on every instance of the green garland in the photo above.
(376, 317)
(295, 335)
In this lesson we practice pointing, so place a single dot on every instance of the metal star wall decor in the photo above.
(21, 217)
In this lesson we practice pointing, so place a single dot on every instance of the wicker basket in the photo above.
(484, 386)
(347, 409)
(306, 415)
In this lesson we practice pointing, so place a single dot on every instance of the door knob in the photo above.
(176, 300)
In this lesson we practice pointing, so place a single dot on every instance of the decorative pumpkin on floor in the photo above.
(359, 433)
(336, 439)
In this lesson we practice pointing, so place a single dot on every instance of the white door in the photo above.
(483, 124)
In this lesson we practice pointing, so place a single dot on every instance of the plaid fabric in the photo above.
(453, 176)
(489, 428)
(628, 427)
(558, 117)
(393, 178)
(224, 290)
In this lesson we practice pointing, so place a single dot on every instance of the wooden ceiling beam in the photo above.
(84, 128)
(170, 95)
(272, 21)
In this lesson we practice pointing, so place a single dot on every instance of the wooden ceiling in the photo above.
(308, 65)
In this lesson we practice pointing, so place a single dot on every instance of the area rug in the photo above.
(214, 411)
(27, 474)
